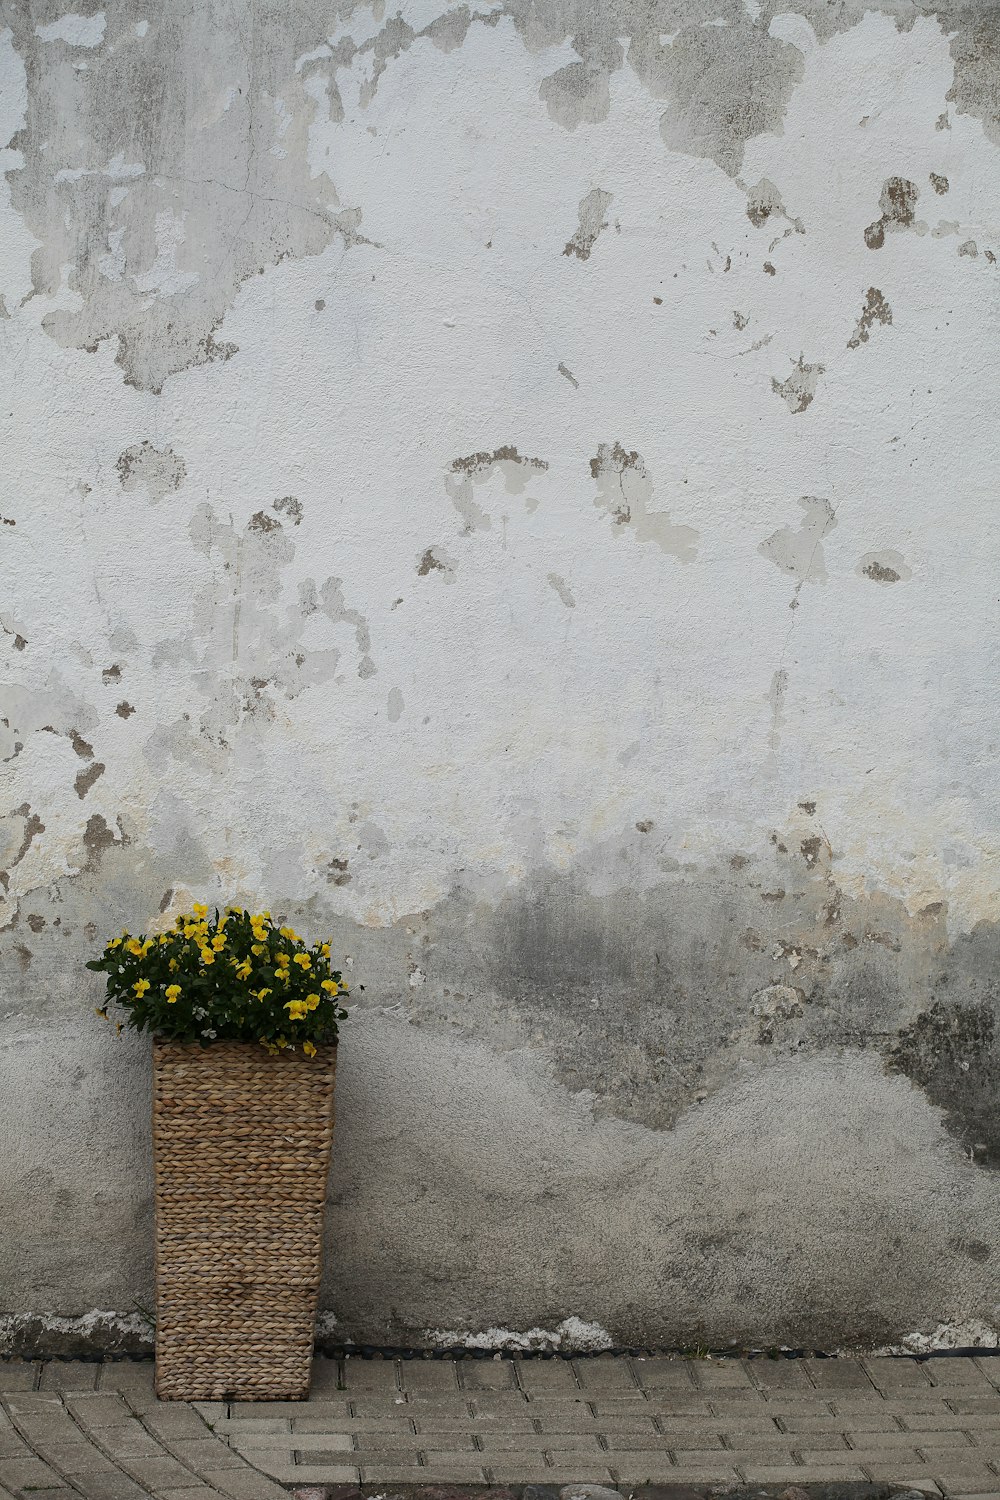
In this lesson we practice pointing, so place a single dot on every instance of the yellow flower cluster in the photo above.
(237, 976)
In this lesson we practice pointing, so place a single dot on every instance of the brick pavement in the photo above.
(873, 1426)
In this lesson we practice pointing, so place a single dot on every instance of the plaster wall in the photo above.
(513, 487)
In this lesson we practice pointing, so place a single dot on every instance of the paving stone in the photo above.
(546, 1376)
(251, 1424)
(131, 1442)
(876, 1421)
(897, 1374)
(837, 1374)
(964, 1374)
(18, 1375)
(375, 1377)
(806, 1474)
(244, 1484)
(50, 1427)
(126, 1375)
(706, 1472)
(951, 1421)
(387, 1474)
(988, 1365)
(309, 1441)
(175, 1421)
(429, 1376)
(108, 1487)
(477, 1424)
(724, 1374)
(194, 1491)
(336, 1406)
(204, 1453)
(77, 1458)
(12, 1445)
(762, 1442)
(507, 1442)
(779, 1375)
(392, 1405)
(100, 1410)
(26, 1473)
(663, 1374)
(978, 1406)
(334, 1474)
(527, 1473)
(486, 1374)
(159, 1473)
(68, 1375)
(334, 1422)
(952, 1481)
(606, 1375)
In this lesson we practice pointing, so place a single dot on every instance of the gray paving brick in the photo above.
(760, 1442)
(53, 1428)
(598, 1424)
(244, 1484)
(779, 1375)
(534, 1442)
(429, 1376)
(543, 1376)
(108, 1487)
(18, 1375)
(390, 1474)
(630, 1442)
(300, 1474)
(26, 1473)
(955, 1441)
(77, 1458)
(250, 1424)
(68, 1375)
(876, 1421)
(457, 1465)
(664, 1374)
(606, 1375)
(953, 1421)
(632, 1468)
(336, 1423)
(106, 1409)
(392, 1405)
(890, 1374)
(372, 1377)
(342, 1442)
(952, 1481)
(806, 1474)
(988, 1365)
(820, 1454)
(175, 1421)
(159, 1473)
(837, 1374)
(724, 1374)
(478, 1423)
(201, 1454)
(959, 1373)
(24, 1403)
(12, 1445)
(978, 1406)
(486, 1374)
(194, 1491)
(131, 1442)
(320, 1406)
(126, 1375)
(588, 1473)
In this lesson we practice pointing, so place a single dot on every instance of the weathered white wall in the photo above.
(515, 487)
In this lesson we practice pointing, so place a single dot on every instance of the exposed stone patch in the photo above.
(798, 550)
(875, 310)
(951, 1051)
(464, 474)
(436, 560)
(85, 780)
(290, 507)
(884, 567)
(158, 471)
(897, 201)
(624, 492)
(938, 183)
(798, 389)
(763, 201)
(591, 221)
(969, 248)
(557, 582)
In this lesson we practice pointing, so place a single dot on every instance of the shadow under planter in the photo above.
(241, 1143)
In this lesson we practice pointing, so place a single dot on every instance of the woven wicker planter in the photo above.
(241, 1142)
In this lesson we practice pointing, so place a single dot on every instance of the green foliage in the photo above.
(234, 978)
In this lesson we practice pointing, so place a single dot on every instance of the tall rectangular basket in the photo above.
(241, 1144)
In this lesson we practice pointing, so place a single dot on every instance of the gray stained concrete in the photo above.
(97, 1430)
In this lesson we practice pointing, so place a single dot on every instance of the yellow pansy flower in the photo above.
(172, 966)
(140, 987)
(172, 992)
(263, 994)
(199, 910)
(243, 969)
(282, 959)
(207, 956)
(286, 932)
(134, 947)
(309, 1049)
(258, 948)
(115, 943)
(311, 1002)
(219, 942)
(330, 985)
(324, 949)
(303, 959)
(296, 1009)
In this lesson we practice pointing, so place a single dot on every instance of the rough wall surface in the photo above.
(513, 485)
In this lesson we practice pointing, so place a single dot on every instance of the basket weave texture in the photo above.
(241, 1144)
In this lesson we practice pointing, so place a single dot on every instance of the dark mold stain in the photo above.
(880, 574)
(950, 1050)
(124, 710)
(645, 826)
(111, 674)
(938, 183)
(430, 563)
